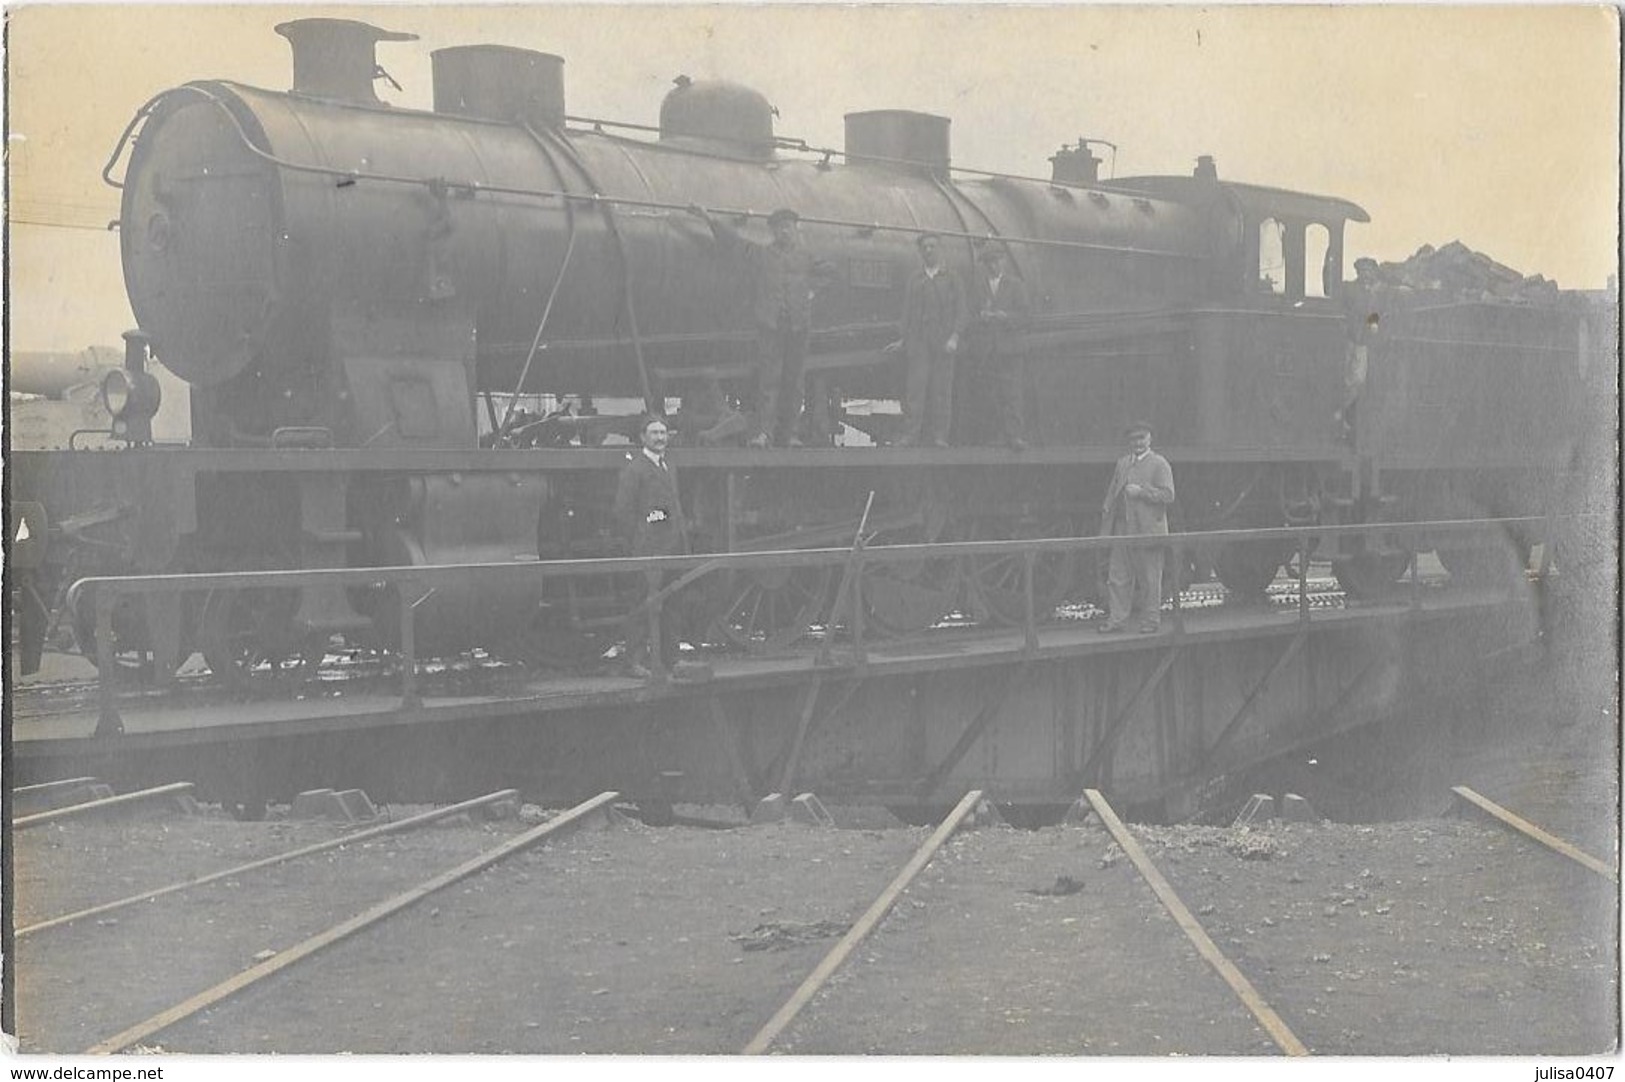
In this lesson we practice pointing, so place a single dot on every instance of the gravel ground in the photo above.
(627, 940)
(1414, 938)
(1430, 934)
(1418, 937)
(83, 982)
(1017, 942)
(1409, 938)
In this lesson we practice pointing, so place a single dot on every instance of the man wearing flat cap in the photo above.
(1136, 503)
(784, 276)
(999, 304)
(933, 317)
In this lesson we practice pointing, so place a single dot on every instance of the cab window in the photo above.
(1272, 256)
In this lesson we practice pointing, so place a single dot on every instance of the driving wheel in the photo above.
(998, 587)
(769, 610)
(1366, 576)
(902, 597)
(249, 632)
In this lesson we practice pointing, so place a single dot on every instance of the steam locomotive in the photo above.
(358, 295)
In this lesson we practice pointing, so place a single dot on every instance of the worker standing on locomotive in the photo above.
(933, 318)
(784, 277)
(1360, 325)
(999, 303)
(650, 517)
(1136, 503)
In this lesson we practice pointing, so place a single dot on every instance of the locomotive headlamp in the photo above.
(131, 399)
(116, 392)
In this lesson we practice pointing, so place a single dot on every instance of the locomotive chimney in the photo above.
(500, 82)
(1205, 168)
(1075, 165)
(898, 137)
(336, 58)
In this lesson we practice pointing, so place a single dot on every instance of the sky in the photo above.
(1496, 126)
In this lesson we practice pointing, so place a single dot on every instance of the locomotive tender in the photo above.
(357, 294)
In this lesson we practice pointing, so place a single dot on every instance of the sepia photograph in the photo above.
(809, 530)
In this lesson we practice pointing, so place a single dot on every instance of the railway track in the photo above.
(1092, 1003)
(75, 913)
(1079, 939)
(277, 961)
(413, 822)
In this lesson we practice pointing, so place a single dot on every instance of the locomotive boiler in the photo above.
(358, 293)
(313, 260)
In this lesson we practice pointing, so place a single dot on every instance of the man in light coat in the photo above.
(1136, 503)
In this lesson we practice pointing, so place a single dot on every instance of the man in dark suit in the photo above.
(933, 319)
(1136, 503)
(650, 517)
(783, 276)
(999, 304)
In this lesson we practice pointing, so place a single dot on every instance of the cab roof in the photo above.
(1257, 200)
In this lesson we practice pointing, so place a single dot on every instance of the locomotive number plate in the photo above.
(870, 273)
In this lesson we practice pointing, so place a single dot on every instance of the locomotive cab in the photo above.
(1266, 241)
(1267, 343)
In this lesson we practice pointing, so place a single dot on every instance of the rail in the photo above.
(413, 585)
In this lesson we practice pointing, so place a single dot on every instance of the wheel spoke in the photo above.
(245, 629)
(906, 598)
(771, 610)
(998, 583)
(133, 650)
